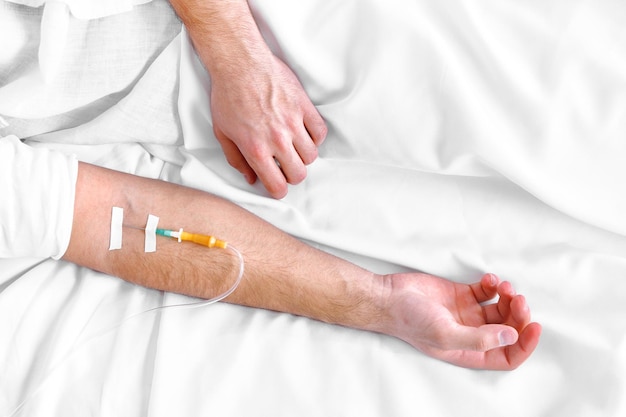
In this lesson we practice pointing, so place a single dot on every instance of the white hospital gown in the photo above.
(75, 73)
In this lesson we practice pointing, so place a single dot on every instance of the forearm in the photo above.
(282, 273)
(447, 320)
(224, 34)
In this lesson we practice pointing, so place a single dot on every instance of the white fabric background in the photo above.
(471, 136)
(86, 9)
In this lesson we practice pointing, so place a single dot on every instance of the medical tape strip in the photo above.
(151, 226)
(117, 220)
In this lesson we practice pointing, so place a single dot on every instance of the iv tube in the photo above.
(210, 301)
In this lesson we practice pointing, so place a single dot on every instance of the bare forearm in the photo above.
(282, 273)
(224, 34)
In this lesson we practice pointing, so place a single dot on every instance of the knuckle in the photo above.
(281, 141)
(309, 156)
(297, 176)
(322, 131)
(256, 150)
(277, 189)
(479, 345)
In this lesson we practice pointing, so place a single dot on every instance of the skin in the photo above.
(265, 122)
(446, 320)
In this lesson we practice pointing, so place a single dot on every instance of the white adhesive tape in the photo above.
(117, 220)
(151, 226)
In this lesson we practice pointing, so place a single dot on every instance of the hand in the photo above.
(451, 322)
(266, 124)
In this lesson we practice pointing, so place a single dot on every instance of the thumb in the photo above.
(484, 338)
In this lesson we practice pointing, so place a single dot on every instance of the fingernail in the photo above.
(493, 280)
(506, 338)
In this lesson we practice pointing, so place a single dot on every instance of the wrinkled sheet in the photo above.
(466, 136)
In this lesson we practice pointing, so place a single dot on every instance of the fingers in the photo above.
(483, 338)
(271, 175)
(520, 313)
(234, 156)
(511, 308)
(285, 164)
(504, 358)
(516, 354)
(281, 162)
(294, 154)
(486, 288)
(306, 147)
(315, 126)
(482, 348)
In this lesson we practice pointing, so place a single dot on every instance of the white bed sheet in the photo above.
(471, 136)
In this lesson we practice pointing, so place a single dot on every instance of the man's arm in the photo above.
(261, 113)
(444, 319)
(282, 273)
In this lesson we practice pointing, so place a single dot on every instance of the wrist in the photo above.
(224, 34)
(373, 312)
